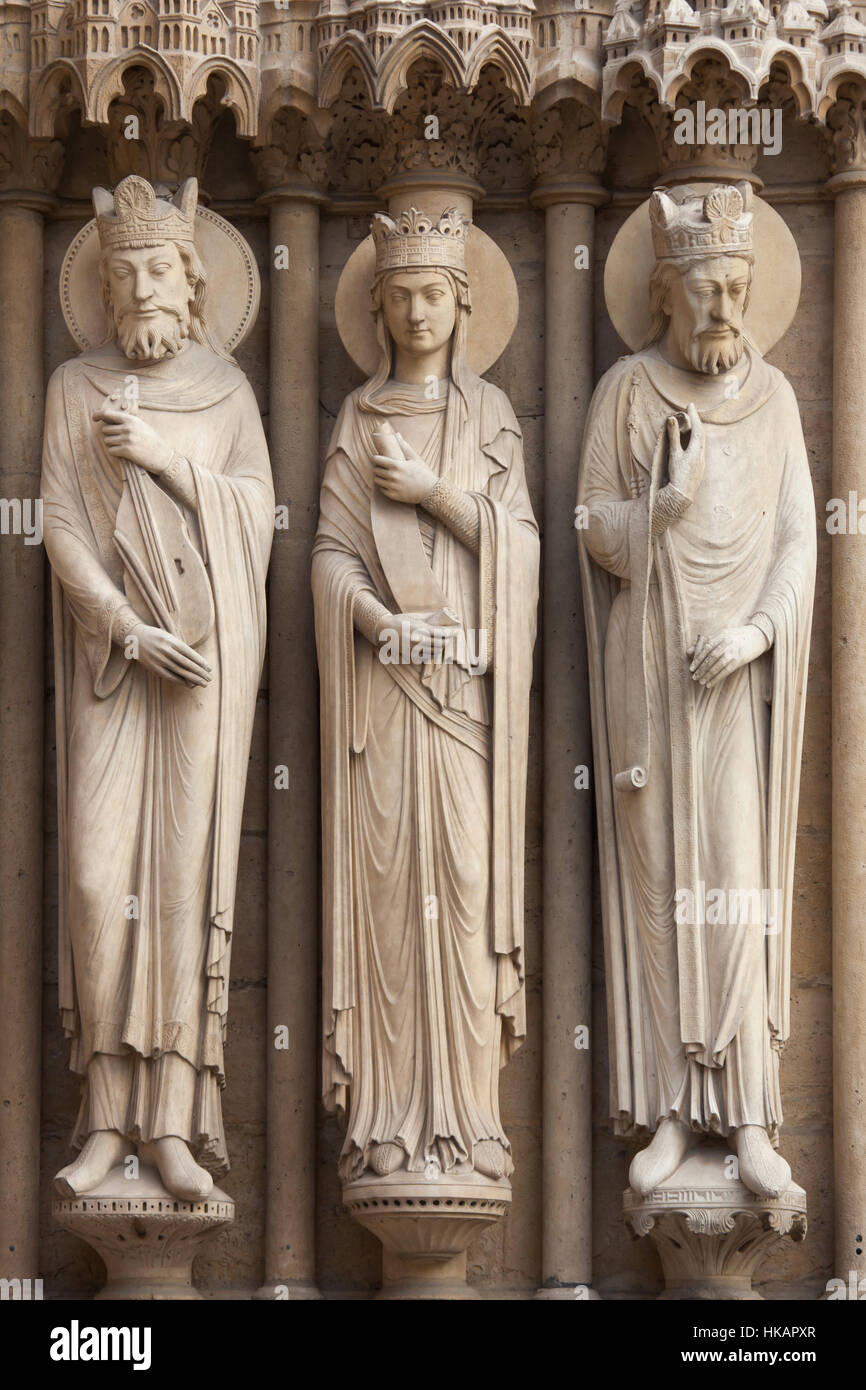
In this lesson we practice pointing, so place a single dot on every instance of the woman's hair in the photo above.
(196, 275)
(459, 283)
(658, 287)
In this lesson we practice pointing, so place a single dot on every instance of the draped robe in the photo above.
(151, 774)
(698, 1000)
(423, 794)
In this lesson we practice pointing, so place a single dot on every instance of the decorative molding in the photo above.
(567, 140)
(710, 1231)
(164, 151)
(482, 135)
(271, 55)
(665, 42)
(33, 166)
(846, 128)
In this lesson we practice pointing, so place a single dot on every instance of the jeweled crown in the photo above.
(702, 224)
(414, 239)
(134, 216)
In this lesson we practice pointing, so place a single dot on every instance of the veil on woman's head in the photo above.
(460, 372)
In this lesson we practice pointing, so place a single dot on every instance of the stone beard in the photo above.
(423, 887)
(698, 563)
(153, 732)
(151, 341)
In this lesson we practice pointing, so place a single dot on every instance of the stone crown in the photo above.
(712, 224)
(136, 217)
(415, 240)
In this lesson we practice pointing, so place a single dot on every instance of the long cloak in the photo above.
(151, 775)
(746, 546)
(462, 745)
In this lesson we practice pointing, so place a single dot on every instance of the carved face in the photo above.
(705, 304)
(420, 310)
(150, 293)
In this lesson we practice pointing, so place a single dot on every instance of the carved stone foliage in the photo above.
(846, 127)
(141, 140)
(296, 151)
(34, 165)
(712, 1238)
(567, 139)
(146, 1237)
(719, 89)
(483, 134)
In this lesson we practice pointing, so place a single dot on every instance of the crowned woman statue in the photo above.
(425, 575)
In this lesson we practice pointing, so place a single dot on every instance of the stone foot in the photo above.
(147, 1237)
(386, 1158)
(710, 1230)
(662, 1157)
(765, 1172)
(102, 1150)
(489, 1158)
(183, 1177)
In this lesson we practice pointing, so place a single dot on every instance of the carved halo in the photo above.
(494, 304)
(775, 288)
(233, 279)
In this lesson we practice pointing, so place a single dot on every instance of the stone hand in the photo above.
(713, 658)
(408, 479)
(416, 629)
(170, 657)
(686, 466)
(127, 436)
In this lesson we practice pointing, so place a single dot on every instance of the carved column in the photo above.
(847, 122)
(568, 154)
(27, 172)
(293, 734)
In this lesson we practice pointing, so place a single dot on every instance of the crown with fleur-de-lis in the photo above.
(136, 216)
(415, 240)
(702, 224)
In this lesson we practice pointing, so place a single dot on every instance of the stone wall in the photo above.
(502, 147)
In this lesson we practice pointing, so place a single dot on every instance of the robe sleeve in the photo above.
(509, 565)
(611, 515)
(96, 602)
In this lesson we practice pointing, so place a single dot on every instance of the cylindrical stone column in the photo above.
(293, 742)
(22, 715)
(568, 795)
(848, 722)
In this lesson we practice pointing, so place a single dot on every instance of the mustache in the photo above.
(716, 350)
(135, 311)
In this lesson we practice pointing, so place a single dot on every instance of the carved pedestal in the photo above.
(147, 1238)
(425, 1226)
(710, 1231)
